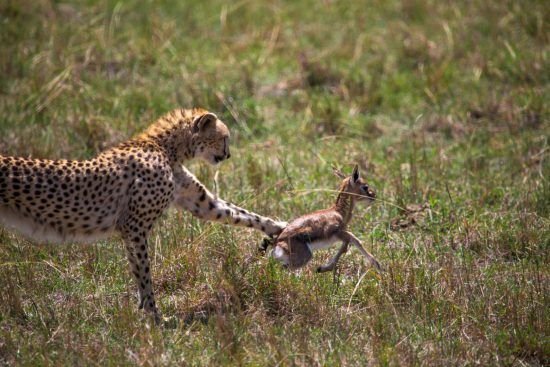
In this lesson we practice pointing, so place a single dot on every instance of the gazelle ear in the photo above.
(204, 121)
(355, 174)
(338, 173)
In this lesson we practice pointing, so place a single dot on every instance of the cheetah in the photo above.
(124, 190)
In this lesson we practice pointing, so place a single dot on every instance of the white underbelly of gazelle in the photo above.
(322, 244)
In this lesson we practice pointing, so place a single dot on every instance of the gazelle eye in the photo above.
(365, 188)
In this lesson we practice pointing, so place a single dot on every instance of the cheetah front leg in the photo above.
(136, 247)
(193, 196)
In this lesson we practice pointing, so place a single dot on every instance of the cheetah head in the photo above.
(211, 137)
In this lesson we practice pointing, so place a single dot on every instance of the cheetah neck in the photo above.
(173, 134)
(177, 143)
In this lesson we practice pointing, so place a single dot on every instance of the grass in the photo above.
(443, 104)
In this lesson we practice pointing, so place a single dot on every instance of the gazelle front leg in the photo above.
(349, 237)
(331, 265)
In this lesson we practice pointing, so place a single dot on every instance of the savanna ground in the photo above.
(443, 104)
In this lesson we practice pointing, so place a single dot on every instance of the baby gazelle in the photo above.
(317, 230)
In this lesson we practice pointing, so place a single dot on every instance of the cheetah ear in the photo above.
(355, 174)
(204, 121)
(338, 173)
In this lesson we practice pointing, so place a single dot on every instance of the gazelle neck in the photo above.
(344, 205)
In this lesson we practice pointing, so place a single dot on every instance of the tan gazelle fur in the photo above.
(295, 245)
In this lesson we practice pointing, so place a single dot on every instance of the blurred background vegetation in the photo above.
(444, 105)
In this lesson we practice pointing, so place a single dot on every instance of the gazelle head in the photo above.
(356, 186)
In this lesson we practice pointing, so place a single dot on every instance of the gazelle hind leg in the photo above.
(293, 253)
(279, 254)
(331, 265)
(300, 253)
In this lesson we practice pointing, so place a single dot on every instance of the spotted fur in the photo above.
(124, 190)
